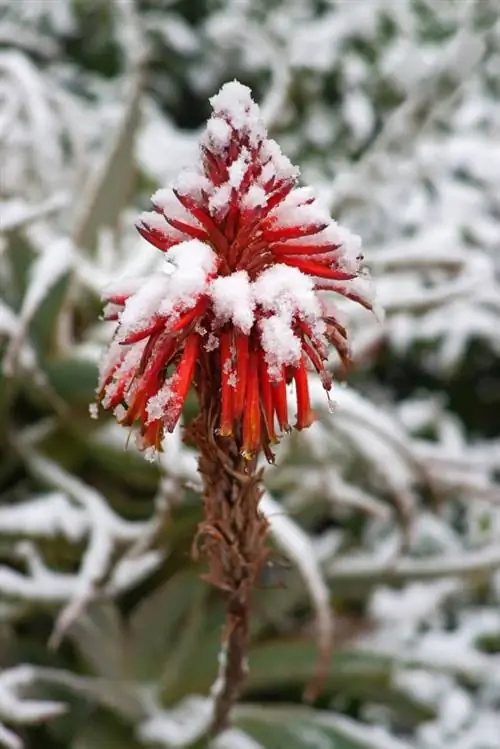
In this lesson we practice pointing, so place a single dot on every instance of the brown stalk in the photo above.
(232, 538)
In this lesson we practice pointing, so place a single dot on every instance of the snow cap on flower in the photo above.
(239, 307)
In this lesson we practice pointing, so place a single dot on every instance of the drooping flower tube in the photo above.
(252, 262)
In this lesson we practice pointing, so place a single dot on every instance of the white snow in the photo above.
(280, 344)
(217, 135)
(234, 102)
(185, 277)
(286, 291)
(233, 300)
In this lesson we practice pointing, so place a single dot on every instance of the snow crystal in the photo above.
(233, 300)
(93, 411)
(254, 198)
(288, 213)
(130, 358)
(191, 183)
(151, 219)
(158, 404)
(120, 412)
(112, 356)
(122, 287)
(286, 291)
(268, 173)
(218, 203)
(212, 342)
(217, 135)
(279, 343)
(234, 103)
(284, 169)
(168, 203)
(144, 304)
(193, 261)
(238, 168)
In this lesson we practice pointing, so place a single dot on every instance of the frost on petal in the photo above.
(192, 183)
(189, 266)
(286, 291)
(169, 205)
(293, 211)
(255, 197)
(233, 301)
(218, 203)
(217, 135)
(234, 103)
(159, 404)
(144, 304)
(280, 165)
(280, 345)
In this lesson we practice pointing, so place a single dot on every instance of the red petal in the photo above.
(292, 232)
(280, 402)
(313, 356)
(284, 248)
(193, 231)
(205, 220)
(188, 317)
(157, 239)
(279, 193)
(156, 325)
(241, 342)
(316, 269)
(227, 392)
(251, 416)
(305, 415)
(152, 435)
(182, 379)
(266, 395)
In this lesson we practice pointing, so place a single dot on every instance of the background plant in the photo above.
(391, 110)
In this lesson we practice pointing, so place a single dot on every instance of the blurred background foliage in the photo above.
(386, 512)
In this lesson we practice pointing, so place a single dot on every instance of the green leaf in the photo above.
(73, 379)
(159, 624)
(290, 664)
(110, 183)
(44, 322)
(98, 635)
(302, 728)
(103, 732)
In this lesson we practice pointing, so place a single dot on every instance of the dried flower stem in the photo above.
(232, 537)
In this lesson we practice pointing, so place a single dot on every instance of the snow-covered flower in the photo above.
(244, 301)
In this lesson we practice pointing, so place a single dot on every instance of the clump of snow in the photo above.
(218, 203)
(280, 344)
(279, 165)
(159, 404)
(255, 197)
(286, 291)
(142, 306)
(234, 103)
(177, 289)
(217, 135)
(233, 300)
(284, 295)
(192, 183)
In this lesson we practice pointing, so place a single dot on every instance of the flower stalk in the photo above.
(242, 311)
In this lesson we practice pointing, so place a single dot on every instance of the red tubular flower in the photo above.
(251, 263)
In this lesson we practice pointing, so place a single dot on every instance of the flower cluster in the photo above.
(250, 259)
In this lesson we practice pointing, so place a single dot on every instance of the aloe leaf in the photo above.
(110, 181)
(302, 728)
(156, 627)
